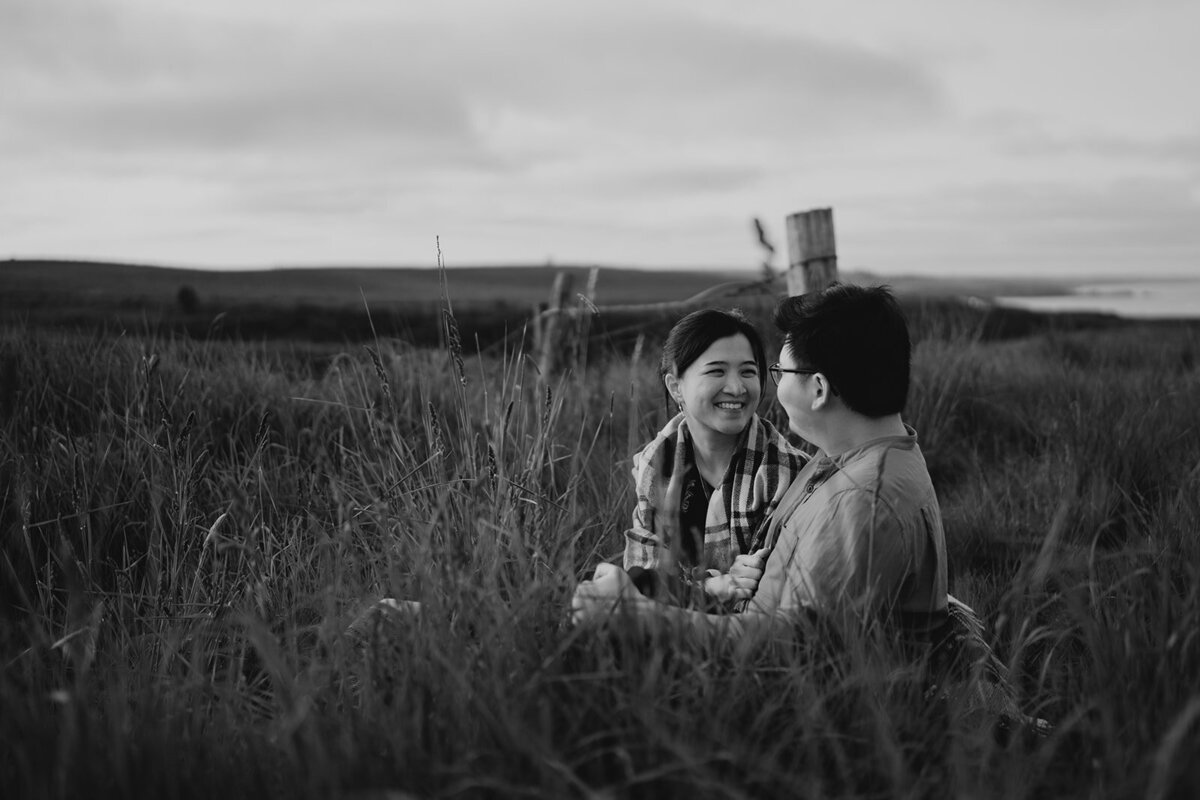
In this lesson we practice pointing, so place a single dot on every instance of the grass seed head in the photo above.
(454, 341)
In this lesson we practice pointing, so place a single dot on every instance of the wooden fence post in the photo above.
(581, 323)
(549, 333)
(812, 253)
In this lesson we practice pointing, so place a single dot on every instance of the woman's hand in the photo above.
(742, 579)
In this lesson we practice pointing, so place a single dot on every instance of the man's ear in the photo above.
(822, 391)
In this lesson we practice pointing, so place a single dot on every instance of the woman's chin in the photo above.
(732, 427)
(725, 422)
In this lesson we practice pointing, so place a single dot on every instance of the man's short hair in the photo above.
(858, 337)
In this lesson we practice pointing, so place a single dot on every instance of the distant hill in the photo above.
(25, 282)
(30, 281)
(316, 304)
(491, 304)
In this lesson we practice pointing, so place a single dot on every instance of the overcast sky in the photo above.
(993, 137)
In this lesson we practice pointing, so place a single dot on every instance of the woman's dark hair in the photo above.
(696, 332)
(858, 338)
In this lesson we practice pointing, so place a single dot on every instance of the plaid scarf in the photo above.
(756, 480)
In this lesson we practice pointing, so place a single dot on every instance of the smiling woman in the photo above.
(719, 392)
(710, 478)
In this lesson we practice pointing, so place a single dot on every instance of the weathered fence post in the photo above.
(812, 253)
(581, 323)
(549, 332)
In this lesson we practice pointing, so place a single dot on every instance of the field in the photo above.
(190, 523)
(356, 304)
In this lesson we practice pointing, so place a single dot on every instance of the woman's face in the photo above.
(720, 390)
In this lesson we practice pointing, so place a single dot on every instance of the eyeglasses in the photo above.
(777, 372)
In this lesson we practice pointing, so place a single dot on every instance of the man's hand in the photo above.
(742, 579)
(596, 599)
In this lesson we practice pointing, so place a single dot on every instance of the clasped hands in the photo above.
(742, 579)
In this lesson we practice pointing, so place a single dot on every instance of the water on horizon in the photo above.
(1149, 300)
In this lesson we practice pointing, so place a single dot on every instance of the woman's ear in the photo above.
(672, 384)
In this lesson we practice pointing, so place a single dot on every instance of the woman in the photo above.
(708, 481)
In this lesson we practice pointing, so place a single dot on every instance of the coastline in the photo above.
(1151, 298)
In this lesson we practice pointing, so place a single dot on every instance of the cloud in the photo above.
(161, 81)
(1142, 225)
(590, 122)
(114, 77)
(617, 131)
(1177, 150)
(695, 178)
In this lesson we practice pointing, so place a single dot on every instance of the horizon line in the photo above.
(1041, 276)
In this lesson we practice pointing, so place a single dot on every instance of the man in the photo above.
(859, 532)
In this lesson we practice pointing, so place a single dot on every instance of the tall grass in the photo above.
(189, 527)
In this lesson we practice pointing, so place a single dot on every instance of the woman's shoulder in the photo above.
(773, 439)
(662, 446)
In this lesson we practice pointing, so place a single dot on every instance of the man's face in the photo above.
(793, 394)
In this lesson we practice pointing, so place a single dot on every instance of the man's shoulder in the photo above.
(890, 464)
(876, 480)
(883, 481)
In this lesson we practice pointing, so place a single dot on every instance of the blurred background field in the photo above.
(191, 518)
(341, 304)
